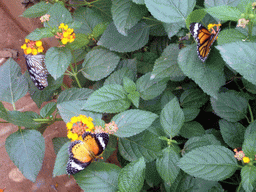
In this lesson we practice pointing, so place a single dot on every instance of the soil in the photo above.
(13, 30)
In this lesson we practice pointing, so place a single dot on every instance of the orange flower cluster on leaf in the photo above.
(33, 47)
(65, 34)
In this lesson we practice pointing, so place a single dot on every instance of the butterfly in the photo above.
(37, 70)
(204, 39)
(82, 153)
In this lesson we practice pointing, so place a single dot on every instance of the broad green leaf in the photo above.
(98, 177)
(195, 142)
(230, 106)
(249, 86)
(61, 160)
(24, 119)
(173, 28)
(224, 12)
(103, 8)
(145, 144)
(118, 76)
(129, 85)
(166, 165)
(151, 175)
(26, 149)
(89, 19)
(230, 35)
(137, 37)
(130, 64)
(37, 10)
(156, 27)
(193, 98)
(13, 84)
(190, 113)
(48, 109)
(59, 14)
(126, 14)
(248, 175)
(251, 129)
(166, 97)
(74, 94)
(134, 97)
(209, 76)
(249, 145)
(80, 41)
(167, 65)
(195, 16)
(232, 133)
(172, 118)
(211, 162)
(58, 142)
(133, 121)
(40, 33)
(138, 1)
(191, 129)
(108, 99)
(131, 177)
(57, 60)
(170, 11)
(150, 88)
(215, 3)
(99, 63)
(241, 57)
(99, 29)
(3, 112)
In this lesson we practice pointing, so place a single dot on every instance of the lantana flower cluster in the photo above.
(32, 47)
(241, 156)
(78, 125)
(211, 27)
(65, 34)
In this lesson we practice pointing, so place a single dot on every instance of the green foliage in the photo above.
(134, 66)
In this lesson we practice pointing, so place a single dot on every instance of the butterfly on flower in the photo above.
(204, 38)
(37, 70)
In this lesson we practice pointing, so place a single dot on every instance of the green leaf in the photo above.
(191, 129)
(108, 99)
(251, 129)
(13, 84)
(61, 160)
(193, 98)
(133, 121)
(134, 97)
(100, 176)
(167, 65)
(195, 16)
(248, 175)
(249, 86)
(230, 35)
(156, 27)
(230, 106)
(241, 57)
(59, 14)
(26, 149)
(131, 177)
(209, 76)
(126, 14)
(138, 1)
(195, 142)
(232, 133)
(24, 119)
(151, 175)
(166, 165)
(58, 142)
(211, 162)
(40, 33)
(37, 10)
(249, 145)
(103, 8)
(3, 112)
(150, 88)
(48, 109)
(224, 12)
(118, 76)
(215, 3)
(137, 37)
(170, 11)
(80, 41)
(99, 63)
(190, 113)
(173, 28)
(145, 144)
(99, 29)
(57, 60)
(172, 118)
(129, 85)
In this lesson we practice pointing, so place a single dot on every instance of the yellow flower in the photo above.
(24, 46)
(39, 43)
(69, 125)
(34, 51)
(246, 159)
(27, 40)
(61, 26)
(40, 49)
(64, 41)
(70, 30)
(74, 119)
(65, 34)
(28, 51)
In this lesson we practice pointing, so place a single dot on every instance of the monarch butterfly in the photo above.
(37, 70)
(204, 39)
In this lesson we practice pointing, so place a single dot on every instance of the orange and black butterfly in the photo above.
(204, 39)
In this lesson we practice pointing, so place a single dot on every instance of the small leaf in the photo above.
(3, 112)
(48, 109)
(172, 118)
(249, 145)
(211, 162)
(131, 177)
(224, 12)
(134, 97)
(133, 121)
(193, 98)
(166, 165)
(26, 149)
(232, 3)
(40, 33)
(191, 129)
(190, 113)
(37, 10)
(108, 99)
(118, 76)
(230, 106)
(80, 41)
(99, 63)
(129, 85)
(248, 175)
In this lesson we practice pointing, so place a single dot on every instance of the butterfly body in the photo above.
(204, 39)
(82, 153)
(37, 70)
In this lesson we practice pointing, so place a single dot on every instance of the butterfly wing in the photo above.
(203, 38)
(37, 70)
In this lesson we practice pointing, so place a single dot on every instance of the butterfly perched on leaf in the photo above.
(37, 70)
(82, 153)
(204, 39)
